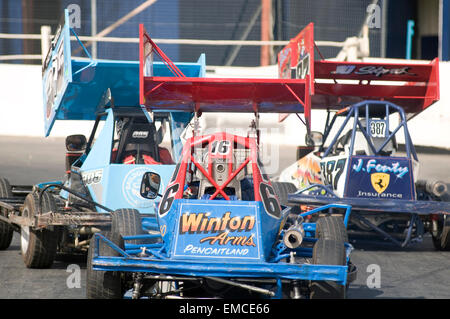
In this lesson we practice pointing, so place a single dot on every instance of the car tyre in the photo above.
(103, 284)
(127, 222)
(282, 189)
(6, 230)
(328, 252)
(38, 245)
(442, 240)
(331, 228)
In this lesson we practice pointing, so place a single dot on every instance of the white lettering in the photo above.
(374, 279)
(74, 279)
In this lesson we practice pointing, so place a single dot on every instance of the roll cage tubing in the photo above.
(154, 48)
(202, 141)
(94, 130)
(354, 111)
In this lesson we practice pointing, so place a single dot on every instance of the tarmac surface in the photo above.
(414, 272)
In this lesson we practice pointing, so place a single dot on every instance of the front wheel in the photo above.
(328, 252)
(331, 227)
(103, 284)
(128, 222)
(282, 190)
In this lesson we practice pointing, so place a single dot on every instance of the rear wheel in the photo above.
(38, 246)
(6, 230)
(282, 189)
(331, 227)
(441, 241)
(328, 252)
(103, 284)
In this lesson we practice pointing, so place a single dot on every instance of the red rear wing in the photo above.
(413, 86)
(193, 94)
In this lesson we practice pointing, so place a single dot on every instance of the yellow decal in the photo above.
(202, 223)
(222, 229)
(163, 230)
(380, 181)
(224, 238)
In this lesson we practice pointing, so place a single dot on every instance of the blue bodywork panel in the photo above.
(77, 89)
(380, 177)
(117, 185)
(420, 207)
(73, 88)
(204, 229)
(186, 249)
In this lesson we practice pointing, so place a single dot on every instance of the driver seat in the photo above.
(137, 144)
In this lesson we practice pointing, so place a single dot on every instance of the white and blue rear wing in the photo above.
(74, 88)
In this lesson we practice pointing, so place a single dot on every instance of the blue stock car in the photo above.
(220, 232)
(219, 229)
(103, 172)
(362, 166)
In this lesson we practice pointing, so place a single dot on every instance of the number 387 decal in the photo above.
(332, 171)
(377, 128)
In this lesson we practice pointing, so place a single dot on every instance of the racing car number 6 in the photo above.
(168, 198)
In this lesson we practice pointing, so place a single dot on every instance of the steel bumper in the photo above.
(229, 270)
(375, 205)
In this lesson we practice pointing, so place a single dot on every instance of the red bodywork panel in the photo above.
(223, 95)
(216, 94)
(412, 86)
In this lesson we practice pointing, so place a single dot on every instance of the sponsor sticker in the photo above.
(380, 181)
(229, 231)
(92, 177)
(140, 134)
(374, 70)
(384, 178)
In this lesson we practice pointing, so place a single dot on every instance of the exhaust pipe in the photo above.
(436, 188)
(293, 237)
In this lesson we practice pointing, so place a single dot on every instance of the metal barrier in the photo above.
(358, 46)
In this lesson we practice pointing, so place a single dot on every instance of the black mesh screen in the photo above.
(191, 19)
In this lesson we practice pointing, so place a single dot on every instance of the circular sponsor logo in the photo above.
(131, 188)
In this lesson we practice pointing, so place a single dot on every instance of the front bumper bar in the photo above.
(374, 205)
(244, 269)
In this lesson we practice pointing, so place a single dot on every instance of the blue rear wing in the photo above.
(74, 88)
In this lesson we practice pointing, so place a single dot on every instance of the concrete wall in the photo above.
(21, 110)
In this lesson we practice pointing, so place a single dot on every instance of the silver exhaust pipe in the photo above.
(436, 188)
(293, 237)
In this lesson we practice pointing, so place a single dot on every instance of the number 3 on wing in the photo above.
(332, 171)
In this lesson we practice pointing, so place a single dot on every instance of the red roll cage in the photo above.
(208, 141)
